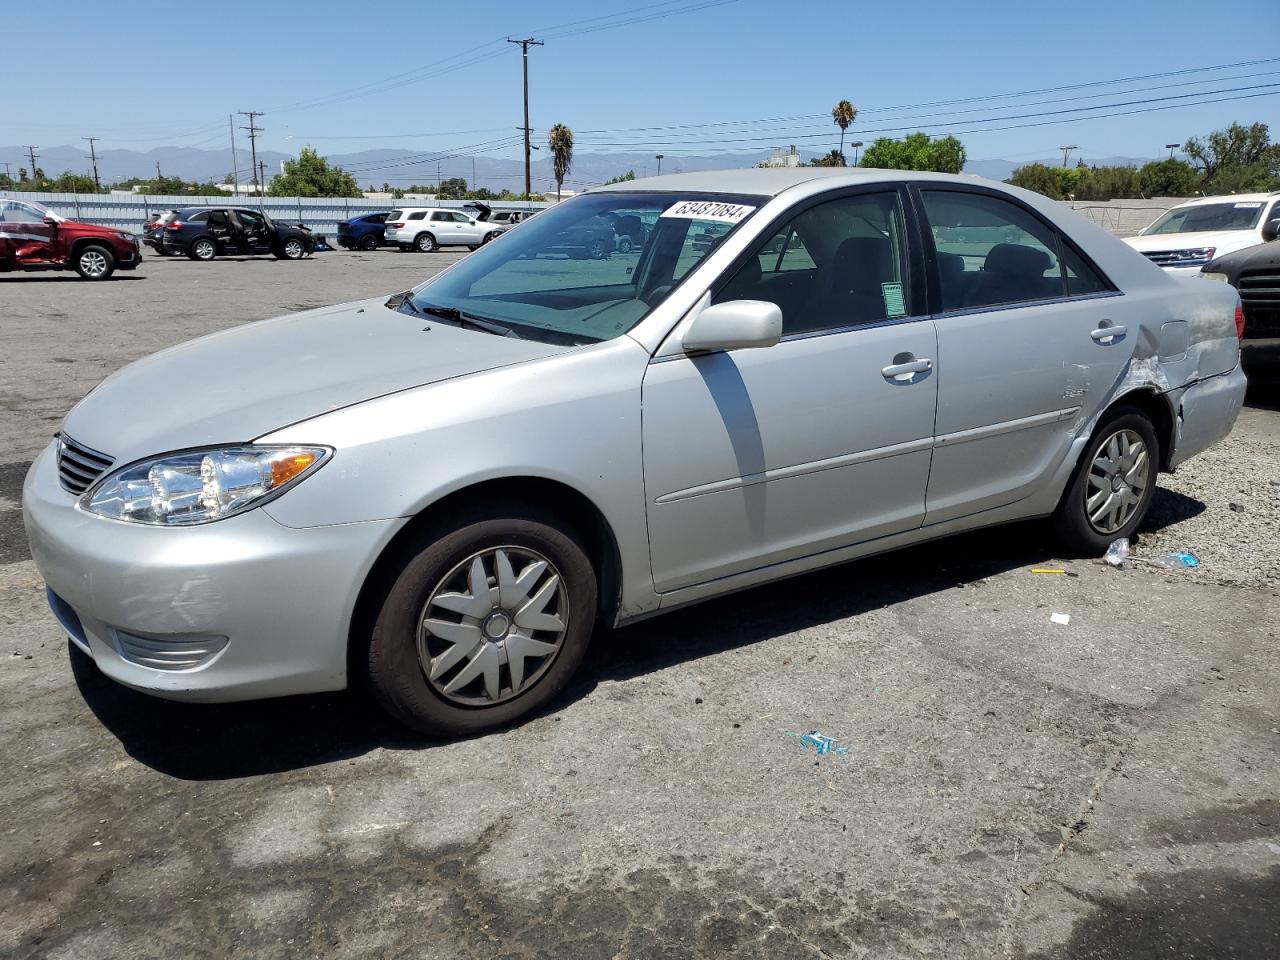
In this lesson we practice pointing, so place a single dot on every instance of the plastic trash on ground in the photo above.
(1177, 559)
(1118, 553)
(1062, 618)
(822, 743)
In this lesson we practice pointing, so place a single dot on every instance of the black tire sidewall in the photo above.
(369, 243)
(394, 671)
(196, 256)
(425, 243)
(1070, 520)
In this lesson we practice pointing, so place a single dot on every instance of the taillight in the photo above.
(1239, 320)
(173, 226)
(395, 226)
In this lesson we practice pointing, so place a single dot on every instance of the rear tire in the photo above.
(95, 262)
(203, 249)
(1112, 486)
(444, 562)
(369, 243)
(426, 243)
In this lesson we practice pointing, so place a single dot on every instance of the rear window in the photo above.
(395, 214)
(199, 217)
(418, 215)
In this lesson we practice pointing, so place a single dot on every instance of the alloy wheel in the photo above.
(493, 625)
(293, 249)
(93, 263)
(1118, 479)
(205, 249)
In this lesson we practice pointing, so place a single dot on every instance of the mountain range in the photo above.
(402, 167)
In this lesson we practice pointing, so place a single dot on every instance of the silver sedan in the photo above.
(447, 490)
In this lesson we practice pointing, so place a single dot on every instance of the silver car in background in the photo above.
(445, 491)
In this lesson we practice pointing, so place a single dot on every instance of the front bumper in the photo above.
(262, 609)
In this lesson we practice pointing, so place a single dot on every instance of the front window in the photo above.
(1238, 215)
(11, 211)
(589, 269)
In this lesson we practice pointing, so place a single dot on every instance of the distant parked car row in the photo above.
(203, 233)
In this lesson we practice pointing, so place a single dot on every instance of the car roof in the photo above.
(766, 181)
(1229, 198)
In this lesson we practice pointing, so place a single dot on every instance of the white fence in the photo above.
(1124, 218)
(129, 211)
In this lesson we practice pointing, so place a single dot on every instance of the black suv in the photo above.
(203, 233)
(1255, 273)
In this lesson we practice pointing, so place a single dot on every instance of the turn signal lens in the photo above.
(1239, 321)
(290, 464)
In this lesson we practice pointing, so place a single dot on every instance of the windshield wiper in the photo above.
(454, 315)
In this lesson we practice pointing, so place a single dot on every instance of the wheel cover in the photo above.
(1118, 479)
(93, 263)
(493, 626)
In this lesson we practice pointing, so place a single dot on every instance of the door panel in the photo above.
(758, 456)
(24, 236)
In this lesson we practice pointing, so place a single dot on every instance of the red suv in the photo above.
(33, 237)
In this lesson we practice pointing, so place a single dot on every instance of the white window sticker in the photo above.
(895, 305)
(1249, 205)
(708, 210)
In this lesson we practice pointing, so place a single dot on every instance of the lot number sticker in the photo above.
(708, 210)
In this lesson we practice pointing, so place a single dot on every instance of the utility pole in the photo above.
(1172, 147)
(437, 179)
(1066, 151)
(7, 175)
(524, 46)
(262, 169)
(235, 171)
(31, 152)
(93, 155)
(658, 157)
(158, 175)
(254, 130)
(473, 173)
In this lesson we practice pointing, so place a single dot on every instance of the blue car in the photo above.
(362, 233)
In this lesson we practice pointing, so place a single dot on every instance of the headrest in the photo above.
(1016, 259)
(863, 263)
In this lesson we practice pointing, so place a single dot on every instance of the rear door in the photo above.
(1031, 338)
(257, 233)
(757, 457)
(24, 235)
(219, 225)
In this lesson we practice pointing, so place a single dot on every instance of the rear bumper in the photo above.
(1206, 413)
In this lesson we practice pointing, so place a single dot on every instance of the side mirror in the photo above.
(1271, 230)
(49, 221)
(736, 325)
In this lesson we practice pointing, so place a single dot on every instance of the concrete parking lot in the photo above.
(1013, 787)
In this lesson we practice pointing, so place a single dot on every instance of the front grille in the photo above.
(79, 467)
(1260, 294)
(1197, 257)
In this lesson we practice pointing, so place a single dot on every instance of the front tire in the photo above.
(485, 623)
(1113, 484)
(95, 262)
(292, 249)
(426, 243)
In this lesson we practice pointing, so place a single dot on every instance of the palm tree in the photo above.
(560, 140)
(843, 113)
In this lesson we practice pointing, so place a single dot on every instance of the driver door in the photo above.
(24, 235)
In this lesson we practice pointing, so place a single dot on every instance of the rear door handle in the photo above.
(1108, 333)
(906, 370)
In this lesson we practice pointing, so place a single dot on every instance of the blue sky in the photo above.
(350, 77)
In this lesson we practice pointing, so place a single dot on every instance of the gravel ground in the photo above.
(1105, 789)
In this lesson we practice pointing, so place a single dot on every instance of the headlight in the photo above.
(129, 237)
(203, 485)
(1215, 276)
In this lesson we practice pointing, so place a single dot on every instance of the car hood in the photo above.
(235, 386)
(1221, 240)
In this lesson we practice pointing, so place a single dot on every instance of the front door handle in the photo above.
(906, 369)
(1108, 333)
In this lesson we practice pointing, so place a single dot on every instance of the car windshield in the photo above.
(590, 268)
(1239, 215)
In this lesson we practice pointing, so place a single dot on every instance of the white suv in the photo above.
(1191, 234)
(430, 228)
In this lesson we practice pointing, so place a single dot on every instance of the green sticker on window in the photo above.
(894, 304)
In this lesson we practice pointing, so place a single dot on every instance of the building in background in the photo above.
(791, 158)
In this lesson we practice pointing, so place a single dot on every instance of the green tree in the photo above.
(1169, 178)
(843, 114)
(1236, 159)
(625, 178)
(453, 188)
(560, 140)
(1107, 183)
(1040, 178)
(916, 152)
(311, 176)
(833, 159)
